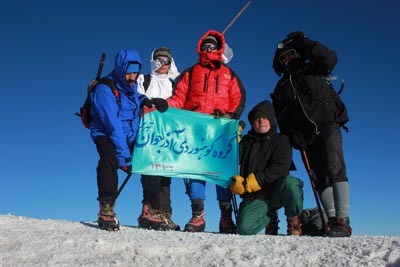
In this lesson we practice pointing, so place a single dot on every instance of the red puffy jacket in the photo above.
(210, 86)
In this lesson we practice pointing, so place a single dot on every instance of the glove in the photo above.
(227, 116)
(297, 141)
(252, 184)
(147, 102)
(218, 114)
(127, 169)
(161, 104)
(237, 185)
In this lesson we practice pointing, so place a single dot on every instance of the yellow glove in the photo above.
(237, 185)
(252, 184)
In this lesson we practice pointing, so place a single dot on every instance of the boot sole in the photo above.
(194, 229)
(339, 234)
(111, 228)
(145, 224)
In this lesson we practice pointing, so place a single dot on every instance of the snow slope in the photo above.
(34, 242)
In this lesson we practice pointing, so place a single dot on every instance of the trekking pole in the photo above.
(312, 177)
(236, 17)
(187, 186)
(122, 186)
(235, 207)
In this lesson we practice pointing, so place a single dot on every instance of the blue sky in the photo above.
(50, 50)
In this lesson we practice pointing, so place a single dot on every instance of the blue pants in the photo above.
(197, 190)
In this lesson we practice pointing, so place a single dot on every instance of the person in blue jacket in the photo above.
(114, 127)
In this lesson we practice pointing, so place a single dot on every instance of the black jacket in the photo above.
(268, 156)
(304, 101)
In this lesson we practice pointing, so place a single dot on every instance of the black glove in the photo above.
(161, 104)
(147, 102)
(218, 114)
(127, 169)
(297, 141)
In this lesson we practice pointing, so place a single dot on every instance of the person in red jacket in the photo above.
(209, 87)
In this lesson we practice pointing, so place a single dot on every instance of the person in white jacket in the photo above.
(157, 211)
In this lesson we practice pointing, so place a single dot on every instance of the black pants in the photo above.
(107, 169)
(326, 158)
(157, 192)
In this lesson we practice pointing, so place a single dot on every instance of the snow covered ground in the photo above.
(34, 242)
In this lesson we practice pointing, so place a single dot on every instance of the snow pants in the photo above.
(157, 192)
(288, 193)
(326, 158)
(107, 170)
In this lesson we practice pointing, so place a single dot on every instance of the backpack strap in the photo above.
(111, 84)
(146, 81)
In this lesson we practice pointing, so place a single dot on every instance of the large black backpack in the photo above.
(312, 223)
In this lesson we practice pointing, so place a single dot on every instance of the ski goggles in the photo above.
(288, 56)
(208, 47)
(164, 60)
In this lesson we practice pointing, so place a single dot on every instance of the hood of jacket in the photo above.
(122, 60)
(155, 65)
(267, 108)
(214, 57)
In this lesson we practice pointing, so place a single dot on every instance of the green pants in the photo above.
(288, 193)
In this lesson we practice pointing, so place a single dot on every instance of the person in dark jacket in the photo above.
(264, 182)
(114, 127)
(311, 113)
(209, 87)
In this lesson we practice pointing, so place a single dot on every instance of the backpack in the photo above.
(312, 223)
(84, 114)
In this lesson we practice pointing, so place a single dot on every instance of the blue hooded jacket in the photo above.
(119, 123)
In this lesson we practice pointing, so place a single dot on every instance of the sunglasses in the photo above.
(210, 47)
(164, 60)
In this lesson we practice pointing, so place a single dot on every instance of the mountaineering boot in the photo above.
(339, 227)
(171, 225)
(226, 225)
(294, 226)
(273, 225)
(329, 224)
(197, 223)
(107, 219)
(152, 219)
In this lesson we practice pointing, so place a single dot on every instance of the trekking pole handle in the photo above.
(101, 65)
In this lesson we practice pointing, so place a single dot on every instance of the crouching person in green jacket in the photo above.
(264, 183)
